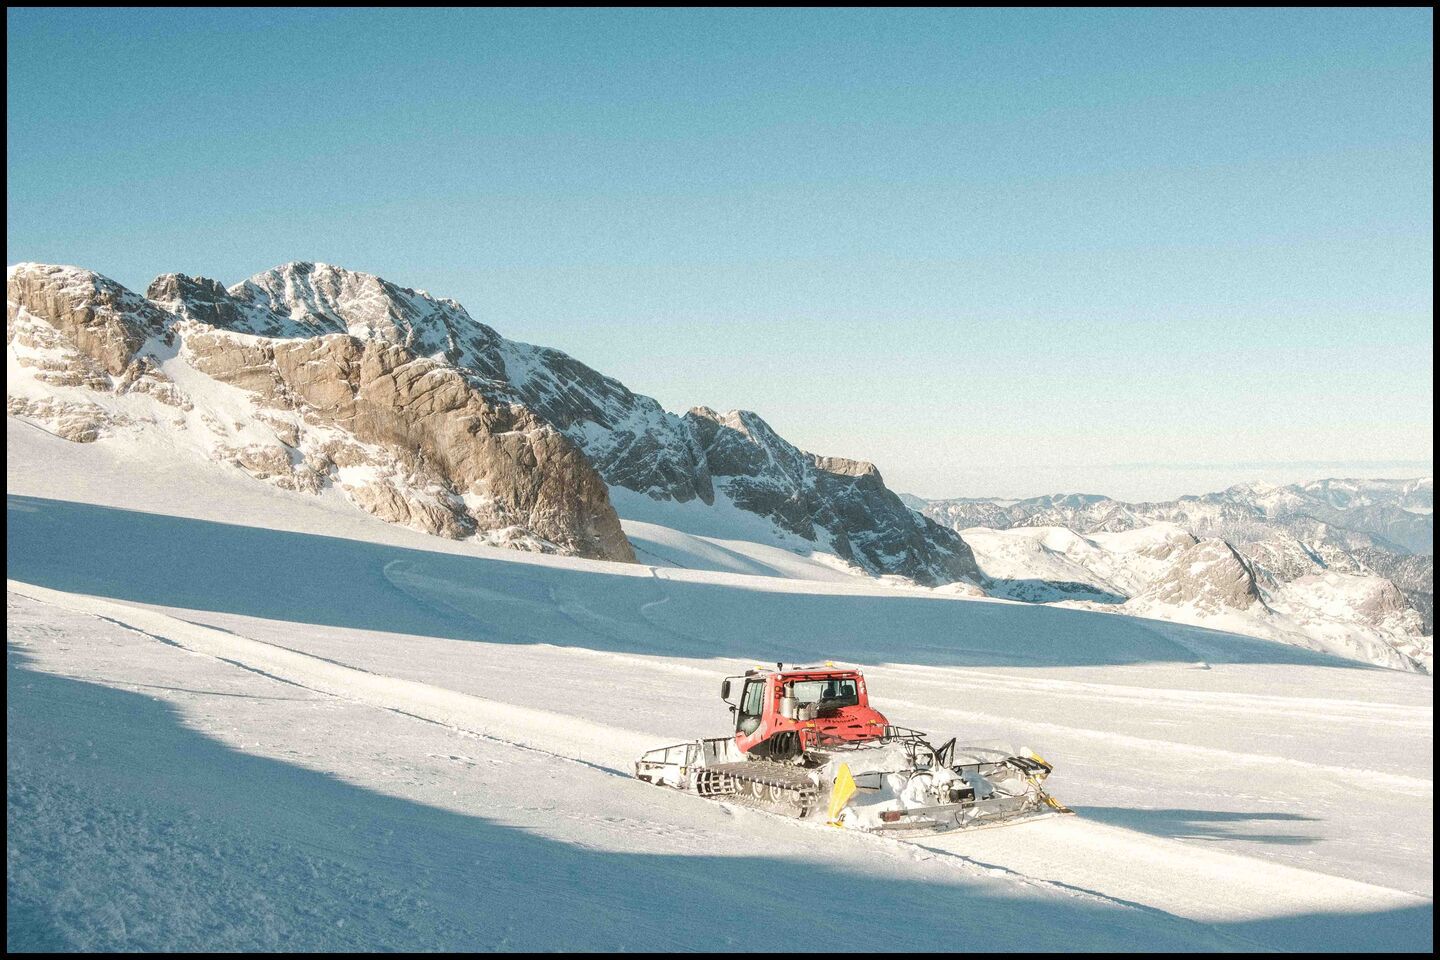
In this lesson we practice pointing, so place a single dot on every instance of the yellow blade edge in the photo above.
(840, 793)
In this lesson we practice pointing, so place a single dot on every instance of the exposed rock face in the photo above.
(1354, 611)
(76, 422)
(72, 328)
(1175, 541)
(815, 497)
(202, 300)
(1414, 576)
(628, 437)
(101, 319)
(1383, 602)
(1210, 576)
(407, 437)
(632, 441)
(515, 469)
(1164, 572)
(426, 417)
(307, 299)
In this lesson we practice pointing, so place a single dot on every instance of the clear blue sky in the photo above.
(989, 251)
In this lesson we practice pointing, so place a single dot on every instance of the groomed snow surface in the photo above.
(239, 718)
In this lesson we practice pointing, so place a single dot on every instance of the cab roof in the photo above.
(828, 668)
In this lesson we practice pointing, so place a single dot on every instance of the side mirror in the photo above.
(725, 690)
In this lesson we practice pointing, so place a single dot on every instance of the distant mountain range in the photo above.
(1334, 562)
(1394, 515)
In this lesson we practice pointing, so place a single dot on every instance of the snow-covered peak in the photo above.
(629, 437)
(79, 285)
(408, 436)
(1395, 515)
(741, 443)
(317, 298)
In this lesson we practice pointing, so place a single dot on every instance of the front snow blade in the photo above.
(959, 816)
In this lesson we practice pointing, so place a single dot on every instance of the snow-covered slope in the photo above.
(245, 717)
(315, 378)
(309, 375)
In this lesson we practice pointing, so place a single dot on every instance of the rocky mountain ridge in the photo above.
(403, 436)
(424, 416)
(1245, 559)
(1396, 515)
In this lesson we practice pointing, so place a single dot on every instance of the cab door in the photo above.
(752, 708)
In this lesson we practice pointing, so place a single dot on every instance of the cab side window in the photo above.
(752, 704)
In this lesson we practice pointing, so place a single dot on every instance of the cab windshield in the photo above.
(833, 692)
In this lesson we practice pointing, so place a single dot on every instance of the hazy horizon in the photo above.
(996, 253)
(1157, 482)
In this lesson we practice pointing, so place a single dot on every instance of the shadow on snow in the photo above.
(1037, 590)
(128, 829)
(1203, 824)
(306, 578)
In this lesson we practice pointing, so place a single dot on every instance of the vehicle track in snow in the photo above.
(477, 717)
(1246, 703)
(1099, 763)
(1108, 864)
(1399, 783)
(591, 744)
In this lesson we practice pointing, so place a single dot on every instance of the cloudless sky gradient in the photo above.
(999, 253)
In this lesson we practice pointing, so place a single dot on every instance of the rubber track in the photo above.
(769, 773)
